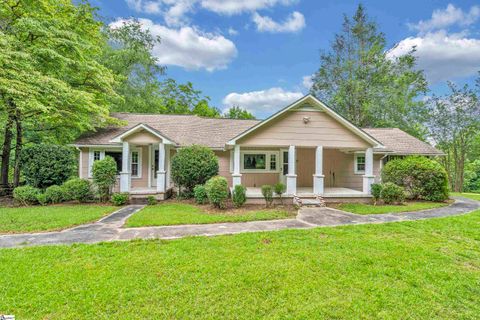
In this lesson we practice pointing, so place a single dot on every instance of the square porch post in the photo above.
(161, 168)
(291, 176)
(236, 176)
(318, 177)
(368, 178)
(125, 174)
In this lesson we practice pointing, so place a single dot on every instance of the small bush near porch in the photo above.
(176, 213)
(363, 208)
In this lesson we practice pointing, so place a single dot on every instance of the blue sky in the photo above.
(260, 53)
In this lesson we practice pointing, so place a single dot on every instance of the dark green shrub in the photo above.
(391, 193)
(421, 177)
(44, 165)
(26, 195)
(42, 199)
(200, 194)
(104, 173)
(239, 195)
(267, 192)
(119, 198)
(192, 166)
(151, 201)
(280, 189)
(55, 194)
(217, 191)
(78, 189)
(376, 192)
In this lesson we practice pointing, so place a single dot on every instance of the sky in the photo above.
(260, 54)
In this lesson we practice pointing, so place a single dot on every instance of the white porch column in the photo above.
(318, 177)
(168, 165)
(236, 176)
(125, 174)
(161, 168)
(368, 178)
(291, 176)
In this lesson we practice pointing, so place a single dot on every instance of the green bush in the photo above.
(192, 166)
(239, 195)
(78, 189)
(42, 199)
(151, 201)
(44, 165)
(472, 177)
(421, 177)
(217, 191)
(391, 193)
(376, 191)
(267, 192)
(119, 198)
(279, 189)
(55, 194)
(200, 194)
(104, 173)
(26, 195)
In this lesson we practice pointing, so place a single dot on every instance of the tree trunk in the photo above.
(18, 149)
(6, 148)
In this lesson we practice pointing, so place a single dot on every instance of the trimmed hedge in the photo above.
(55, 194)
(217, 191)
(78, 189)
(120, 198)
(421, 177)
(391, 193)
(200, 194)
(104, 173)
(267, 192)
(239, 195)
(26, 195)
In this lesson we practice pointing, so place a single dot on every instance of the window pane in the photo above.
(273, 162)
(254, 161)
(96, 155)
(360, 163)
(134, 163)
(117, 156)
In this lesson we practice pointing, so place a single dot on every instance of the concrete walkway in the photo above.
(110, 227)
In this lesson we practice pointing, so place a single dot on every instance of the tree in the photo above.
(360, 81)
(454, 123)
(236, 112)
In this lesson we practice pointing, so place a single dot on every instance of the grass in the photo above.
(48, 218)
(183, 213)
(362, 208)
(474, 196)
(409, 270)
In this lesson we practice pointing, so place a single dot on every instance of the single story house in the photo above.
(306, 145)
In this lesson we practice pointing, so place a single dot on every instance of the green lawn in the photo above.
(182, 213)
(362, 208)
(474, 196)
(32, 219)
(409, 270)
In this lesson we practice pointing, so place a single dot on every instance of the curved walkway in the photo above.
(110, 227)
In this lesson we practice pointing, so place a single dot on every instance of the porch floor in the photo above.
(308, 192)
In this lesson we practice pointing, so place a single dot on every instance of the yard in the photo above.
(175, 213)
(421, 269)
(473, 196)
(48, 218)
(362, 208)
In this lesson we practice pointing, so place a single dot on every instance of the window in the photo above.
(273, 162)
(117, 156)
(259, 161)
(359, 163)
(96, 155)
(135, 163)
(254, 162)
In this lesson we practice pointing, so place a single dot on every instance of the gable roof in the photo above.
(139, 127)
(318, 105)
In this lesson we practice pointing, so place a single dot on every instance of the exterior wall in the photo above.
(305, 166)
(84, 154)
(290, 129)
(142, 137)
(224, 165)
(143, 181)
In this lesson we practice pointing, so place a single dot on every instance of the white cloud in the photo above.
(307, 81)
(443, 56)
(189, 47)
(450, 16)
(232, 31)
(231, 7)
(263, 102)
(294, 23)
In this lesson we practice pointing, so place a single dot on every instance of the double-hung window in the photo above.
(135, 164)
(359, 163)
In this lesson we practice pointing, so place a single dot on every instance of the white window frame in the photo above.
(102, 156)
(267, 154)
(139, 151)
(355, 163)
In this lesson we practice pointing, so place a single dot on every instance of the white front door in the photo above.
(154, 165)
(284, 165)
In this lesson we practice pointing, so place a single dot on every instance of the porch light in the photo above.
(306, 120)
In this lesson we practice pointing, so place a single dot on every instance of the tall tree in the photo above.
(236, 112)
(361, 82)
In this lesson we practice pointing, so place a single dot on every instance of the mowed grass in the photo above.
(363, 208)
(48, 218)
(183, 213)
(474, 196)
(410, 270)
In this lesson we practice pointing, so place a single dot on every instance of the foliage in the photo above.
(200, 194)
(78, 189)
(363, 208)
(362, 82)
(119, 198)
(239, 195)
(267, 192)
(151, 200)
(104, 173)
(376, 190)
(279, 189)
(26, 195)
(472, 176)
(217, 191)
(42, 199)
(55, 194)
(193, 165)
(392, 193)
(421, 177)
(236, 112)
(45, 165)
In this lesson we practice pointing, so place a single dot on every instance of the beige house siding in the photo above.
(83, 170)
(142, 137)
(143, 181)
(290, 129)
(305, 165)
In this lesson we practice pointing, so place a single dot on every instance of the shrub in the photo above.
(44, 165)
(421, 177)
(376, 192)
(26, 195)
(391, 193)
(200, 194)
(192, 166)
(119, 198)
(217, 191)
(267, 192)
(239, 195)
(104, 173)
(55, 194)
(151, 201)
(42, 199)
(280, 189)
(78, 189)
